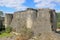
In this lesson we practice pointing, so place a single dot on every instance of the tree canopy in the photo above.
(58, 17)
(1, 13)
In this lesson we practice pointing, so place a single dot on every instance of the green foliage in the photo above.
(58, 24)
(1, 13)
(2, 27)
(58, 17)
(8, 29)
(4, 34)
(58, 20)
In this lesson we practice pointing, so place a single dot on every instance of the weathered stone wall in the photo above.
(42, 22)
(23, 19)
(8, 19)
(31, 17)
(19, 20)
(39, 20)
(54, 19)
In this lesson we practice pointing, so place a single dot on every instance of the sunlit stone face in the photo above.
(29, 22)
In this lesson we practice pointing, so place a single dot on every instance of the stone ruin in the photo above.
(8, 19)
(38, 20)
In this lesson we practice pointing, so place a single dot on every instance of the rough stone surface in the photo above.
(8, 38)
(40, 20)
(24, 18)
(8, 19)
(46, 36)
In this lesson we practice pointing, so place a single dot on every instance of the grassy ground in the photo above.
(5, 34)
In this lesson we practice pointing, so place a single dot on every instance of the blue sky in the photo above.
(10, 6)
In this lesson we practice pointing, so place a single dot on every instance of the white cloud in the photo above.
(21, 7)
(46, 0)
(57, 1)
(16, 4)
(37, 1)
(42, 1)
(46, 3)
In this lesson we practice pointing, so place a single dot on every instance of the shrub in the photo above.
(8, 29)
(58, 24)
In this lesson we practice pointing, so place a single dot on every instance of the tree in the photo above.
(1, 13)
(1, 24)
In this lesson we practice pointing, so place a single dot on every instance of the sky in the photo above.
(10, 6)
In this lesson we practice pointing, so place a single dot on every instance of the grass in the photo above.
(5, 34)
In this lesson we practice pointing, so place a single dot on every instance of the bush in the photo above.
(8, 29)
(58, 24)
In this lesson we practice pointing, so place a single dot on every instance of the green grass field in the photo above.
(5, 34)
